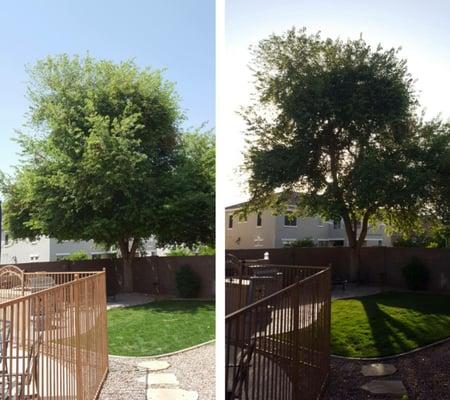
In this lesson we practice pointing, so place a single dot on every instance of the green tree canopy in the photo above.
(192, 207)
(337, 123)
(100, 157)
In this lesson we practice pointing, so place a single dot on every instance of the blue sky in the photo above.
(174, 34)
(421, 28)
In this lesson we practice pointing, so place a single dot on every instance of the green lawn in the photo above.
(160, 327)
(388, 323)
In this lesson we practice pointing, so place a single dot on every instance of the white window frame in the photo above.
(34, 257)
(61, 256)
(286, 241)
(258, 241)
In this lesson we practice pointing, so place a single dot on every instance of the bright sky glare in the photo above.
(421, 28)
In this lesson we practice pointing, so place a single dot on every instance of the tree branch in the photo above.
(134, 247)
(364, 228)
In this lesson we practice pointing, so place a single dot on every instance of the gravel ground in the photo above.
(425, 374)
(195, 370)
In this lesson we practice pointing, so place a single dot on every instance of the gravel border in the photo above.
(195, 370)
(172, 353)
(424, 373)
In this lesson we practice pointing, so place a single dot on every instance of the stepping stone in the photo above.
(154, 365)
(171, 394)
(162, 379)
(385, 387)
(378, 369)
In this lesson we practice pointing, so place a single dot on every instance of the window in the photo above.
(337, 224)
(243, 219)
(259, 220)
(289, 220)
(258, 241)
(34, 257)
(287, 242)
(6, 239)
(230, 222)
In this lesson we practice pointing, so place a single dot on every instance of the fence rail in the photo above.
(53, 337)
(277, 346)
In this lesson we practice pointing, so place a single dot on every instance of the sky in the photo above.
(178, 35)
(421, 28)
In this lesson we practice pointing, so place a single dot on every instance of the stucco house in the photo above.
(49, 249)
(267, 230)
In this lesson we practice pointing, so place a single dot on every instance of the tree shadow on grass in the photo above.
(391, 335)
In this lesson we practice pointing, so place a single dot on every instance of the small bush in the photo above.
(196, 250)
(180, 251)
(77, 256)
(188, 282)
(416, 274)
(306, 242)
(205, 250)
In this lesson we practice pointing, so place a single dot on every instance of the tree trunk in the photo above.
(127, 274)
(354, 263)
(355, 246)
(128, 253)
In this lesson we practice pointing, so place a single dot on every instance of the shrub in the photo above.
(196, 250)
(77, 256)
(306, 242)
(180, 251)
(205, 250)
(416, 274)
(188, 282)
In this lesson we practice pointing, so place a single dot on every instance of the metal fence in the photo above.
(53, 335)
(278, 346)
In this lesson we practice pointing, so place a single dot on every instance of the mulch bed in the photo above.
(425, 374)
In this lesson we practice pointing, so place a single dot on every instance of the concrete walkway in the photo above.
(353, 290)
(163, 385)
(128, 300)
(189, 375)
(393, 387)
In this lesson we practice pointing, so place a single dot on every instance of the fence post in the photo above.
(296, 355)
(23, 282)
(102, 280)
(78, 366)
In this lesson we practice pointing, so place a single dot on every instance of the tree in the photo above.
(101, 159)
(190, 221)
(431, 234)
(336, 122)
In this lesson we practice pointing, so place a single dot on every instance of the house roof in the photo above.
(293, 200)
(237, 205)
